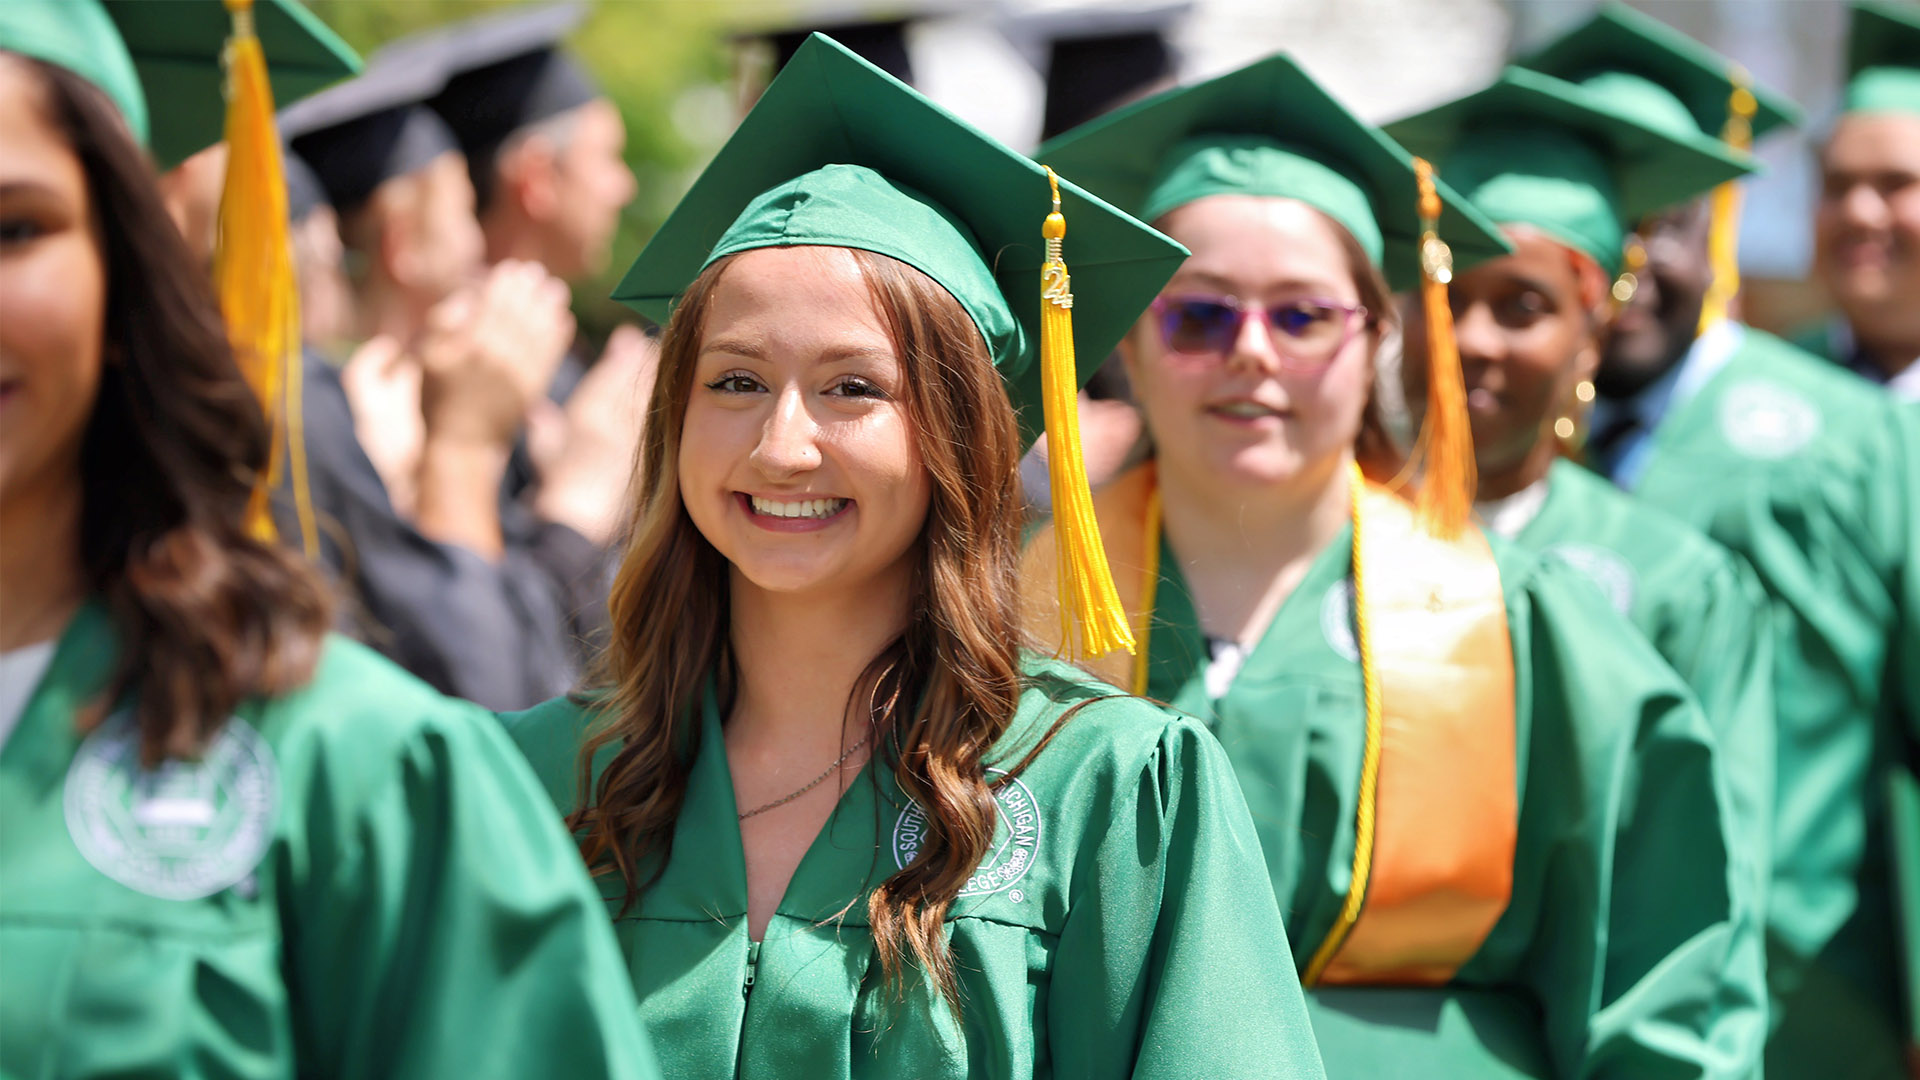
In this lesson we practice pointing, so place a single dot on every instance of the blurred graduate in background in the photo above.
(1813, 477)
(232, 843)
(408, 441)
(1866, 227)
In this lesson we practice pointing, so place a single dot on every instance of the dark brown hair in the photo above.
(940, 694)
(206, 614)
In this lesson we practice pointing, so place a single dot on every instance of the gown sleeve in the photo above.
(492, 632)
(1649, 956)
(1724, 652)
(442, 924)
(1173, 961)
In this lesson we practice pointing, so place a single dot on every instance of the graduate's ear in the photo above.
(530, 174)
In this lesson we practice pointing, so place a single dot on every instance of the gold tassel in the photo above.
(253, 268)
(1723, 236)
(1088, 599)
(1444, 502)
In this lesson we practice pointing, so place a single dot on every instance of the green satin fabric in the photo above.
(1136, 939)
(417, 912)
(1826, 509)
(1700, 607)
(1630, 948)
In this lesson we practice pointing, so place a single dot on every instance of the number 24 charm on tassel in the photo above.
(1088, 599)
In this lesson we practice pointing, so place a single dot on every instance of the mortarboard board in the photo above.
(1099, 58)
(1267, 129)
(839, 153)
(504, 72)
(1883, 58)
(1532, 149)
(160, 64)
(362, 133)
(1649, 68)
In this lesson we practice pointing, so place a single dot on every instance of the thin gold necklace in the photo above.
(815, 782)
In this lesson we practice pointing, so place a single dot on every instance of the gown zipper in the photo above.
(753, 962)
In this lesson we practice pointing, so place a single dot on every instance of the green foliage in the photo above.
(657, 59)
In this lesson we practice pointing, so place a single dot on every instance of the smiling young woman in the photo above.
(232, 844)
(851, 827)
(1454, 750)
(1562, 172)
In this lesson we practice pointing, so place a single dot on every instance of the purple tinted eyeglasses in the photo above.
(1306, 334)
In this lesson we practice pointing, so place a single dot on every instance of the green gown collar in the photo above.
(1179, 648)
(707, 878)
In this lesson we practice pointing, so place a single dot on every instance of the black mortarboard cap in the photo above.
(364, 132)
(504, 72)
(1098, 60)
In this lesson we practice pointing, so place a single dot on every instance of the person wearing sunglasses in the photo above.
(1562, 172)
(1464, 764)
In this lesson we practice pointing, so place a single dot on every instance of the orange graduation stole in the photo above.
(1438, 815)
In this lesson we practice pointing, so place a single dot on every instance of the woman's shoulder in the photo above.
(1087, 725)
(361, 715)
(549, 736)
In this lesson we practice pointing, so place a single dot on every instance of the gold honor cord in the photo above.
(1723, 234)
(1149, 592)
(1369, 760)
(1370, 680)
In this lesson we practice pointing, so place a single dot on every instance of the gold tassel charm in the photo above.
(1723, 236)
(1444, 501)
(1089, 602)
(253, 268)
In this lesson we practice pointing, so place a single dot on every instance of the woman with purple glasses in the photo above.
(1493, 816)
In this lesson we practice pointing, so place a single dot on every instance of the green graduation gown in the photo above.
(1629, 947)
(1701, 608)
(1813, 477)
(359, 879)
(1121, 927)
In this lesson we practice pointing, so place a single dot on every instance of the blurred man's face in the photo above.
(593, 185)
(1867, 224)
(1655, 329)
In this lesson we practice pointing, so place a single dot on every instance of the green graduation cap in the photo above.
(1532, 149)
(140, 52)
(1268, 129)
(1883, 58)
(838, 153)
(1657, 73)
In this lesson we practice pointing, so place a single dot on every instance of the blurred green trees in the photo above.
(665, 63)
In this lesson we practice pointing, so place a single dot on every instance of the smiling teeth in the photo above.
(810, 508)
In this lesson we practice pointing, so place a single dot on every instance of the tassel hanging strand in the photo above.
(1445, 449)
(253, 267)
(1093, 620)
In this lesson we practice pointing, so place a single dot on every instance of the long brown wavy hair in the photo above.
(939, 695)
(206, 615)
